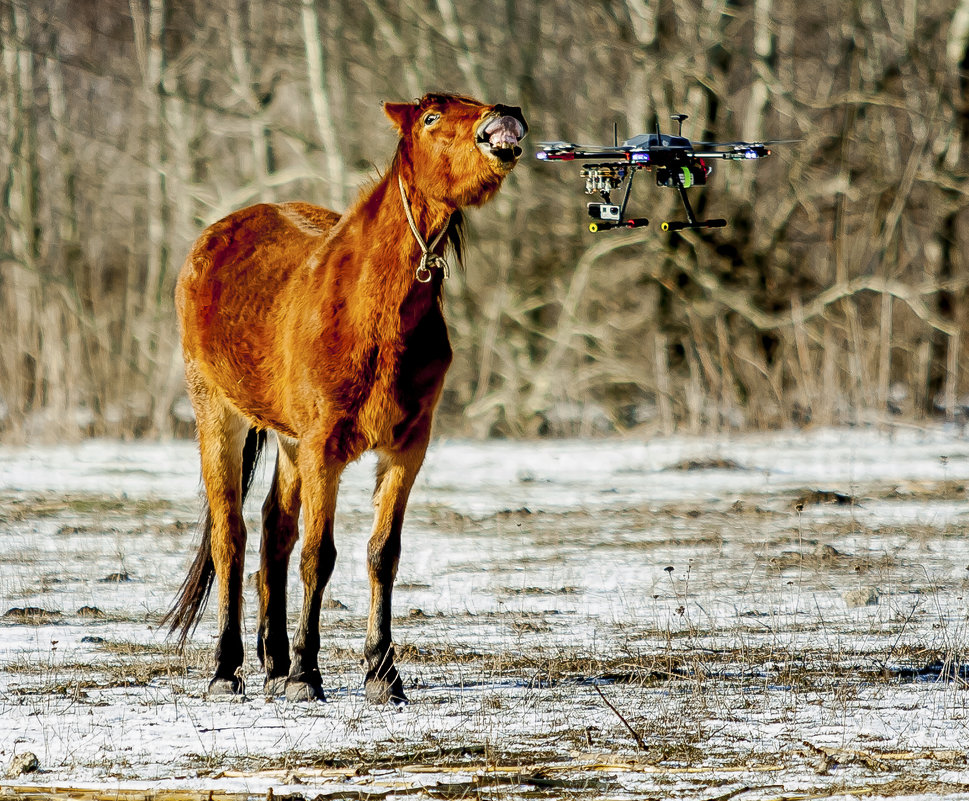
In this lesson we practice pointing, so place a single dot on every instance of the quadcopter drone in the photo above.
(678, 163)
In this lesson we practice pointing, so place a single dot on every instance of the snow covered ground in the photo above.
(779, 615)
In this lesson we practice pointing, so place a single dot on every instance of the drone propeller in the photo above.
(574, 146)
(748, 144)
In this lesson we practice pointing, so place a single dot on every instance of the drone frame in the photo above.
(679, 164)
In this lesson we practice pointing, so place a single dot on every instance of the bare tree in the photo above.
(321, 102)
(837, 293)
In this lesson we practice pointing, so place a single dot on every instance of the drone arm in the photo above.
(571, 154)
(686, 203)
(743, 153)
(625, 197)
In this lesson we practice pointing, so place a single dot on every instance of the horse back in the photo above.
(230, 295)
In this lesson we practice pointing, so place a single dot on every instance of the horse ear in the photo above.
(401, 115)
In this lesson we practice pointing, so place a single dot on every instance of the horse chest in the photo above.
(393, 385)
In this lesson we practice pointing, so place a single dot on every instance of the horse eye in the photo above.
(431, 118)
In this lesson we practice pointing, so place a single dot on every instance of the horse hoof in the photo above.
(274, 686)
(225, 688)
(300, 690)
(381, 691)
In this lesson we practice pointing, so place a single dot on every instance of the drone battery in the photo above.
(685, 175)
(604, 211)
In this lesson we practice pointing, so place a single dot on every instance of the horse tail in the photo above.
(186, 612)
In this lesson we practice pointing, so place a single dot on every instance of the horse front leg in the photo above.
(396, 472)
(320, 477)
(280, 530)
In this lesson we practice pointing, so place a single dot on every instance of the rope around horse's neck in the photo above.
(428, 258)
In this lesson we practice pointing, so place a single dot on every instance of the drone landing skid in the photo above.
(678, 225)
(602, 225)
(691, 220)
(607, 216)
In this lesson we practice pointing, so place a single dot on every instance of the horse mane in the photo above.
(456, 235)
(441, 99)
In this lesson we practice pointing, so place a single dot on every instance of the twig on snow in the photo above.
(636, 736)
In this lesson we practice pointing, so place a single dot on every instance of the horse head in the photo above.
(455, 150)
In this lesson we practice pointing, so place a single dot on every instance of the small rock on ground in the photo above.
(863, 596)
(26, 762)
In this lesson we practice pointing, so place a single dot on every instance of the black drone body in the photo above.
(676, 161)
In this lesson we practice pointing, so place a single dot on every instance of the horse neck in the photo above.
(376, 237)
(430, 216)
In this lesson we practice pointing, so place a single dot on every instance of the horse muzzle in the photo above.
(498, 134)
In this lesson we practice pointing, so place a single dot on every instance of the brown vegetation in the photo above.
(837, 293)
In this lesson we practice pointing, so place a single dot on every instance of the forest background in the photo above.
(838, 293)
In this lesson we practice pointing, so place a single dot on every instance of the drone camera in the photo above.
(604, 211)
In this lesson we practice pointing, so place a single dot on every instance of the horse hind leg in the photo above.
(223, 434)
(280, 530)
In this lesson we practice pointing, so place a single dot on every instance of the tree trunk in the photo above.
(322, 107)
(146, 298)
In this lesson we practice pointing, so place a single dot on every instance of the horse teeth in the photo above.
(503, 139)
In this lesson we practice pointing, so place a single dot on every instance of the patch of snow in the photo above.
(532, 574)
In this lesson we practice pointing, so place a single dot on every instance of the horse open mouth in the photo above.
(499, 136)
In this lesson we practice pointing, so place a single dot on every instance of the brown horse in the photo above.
(328, 330)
